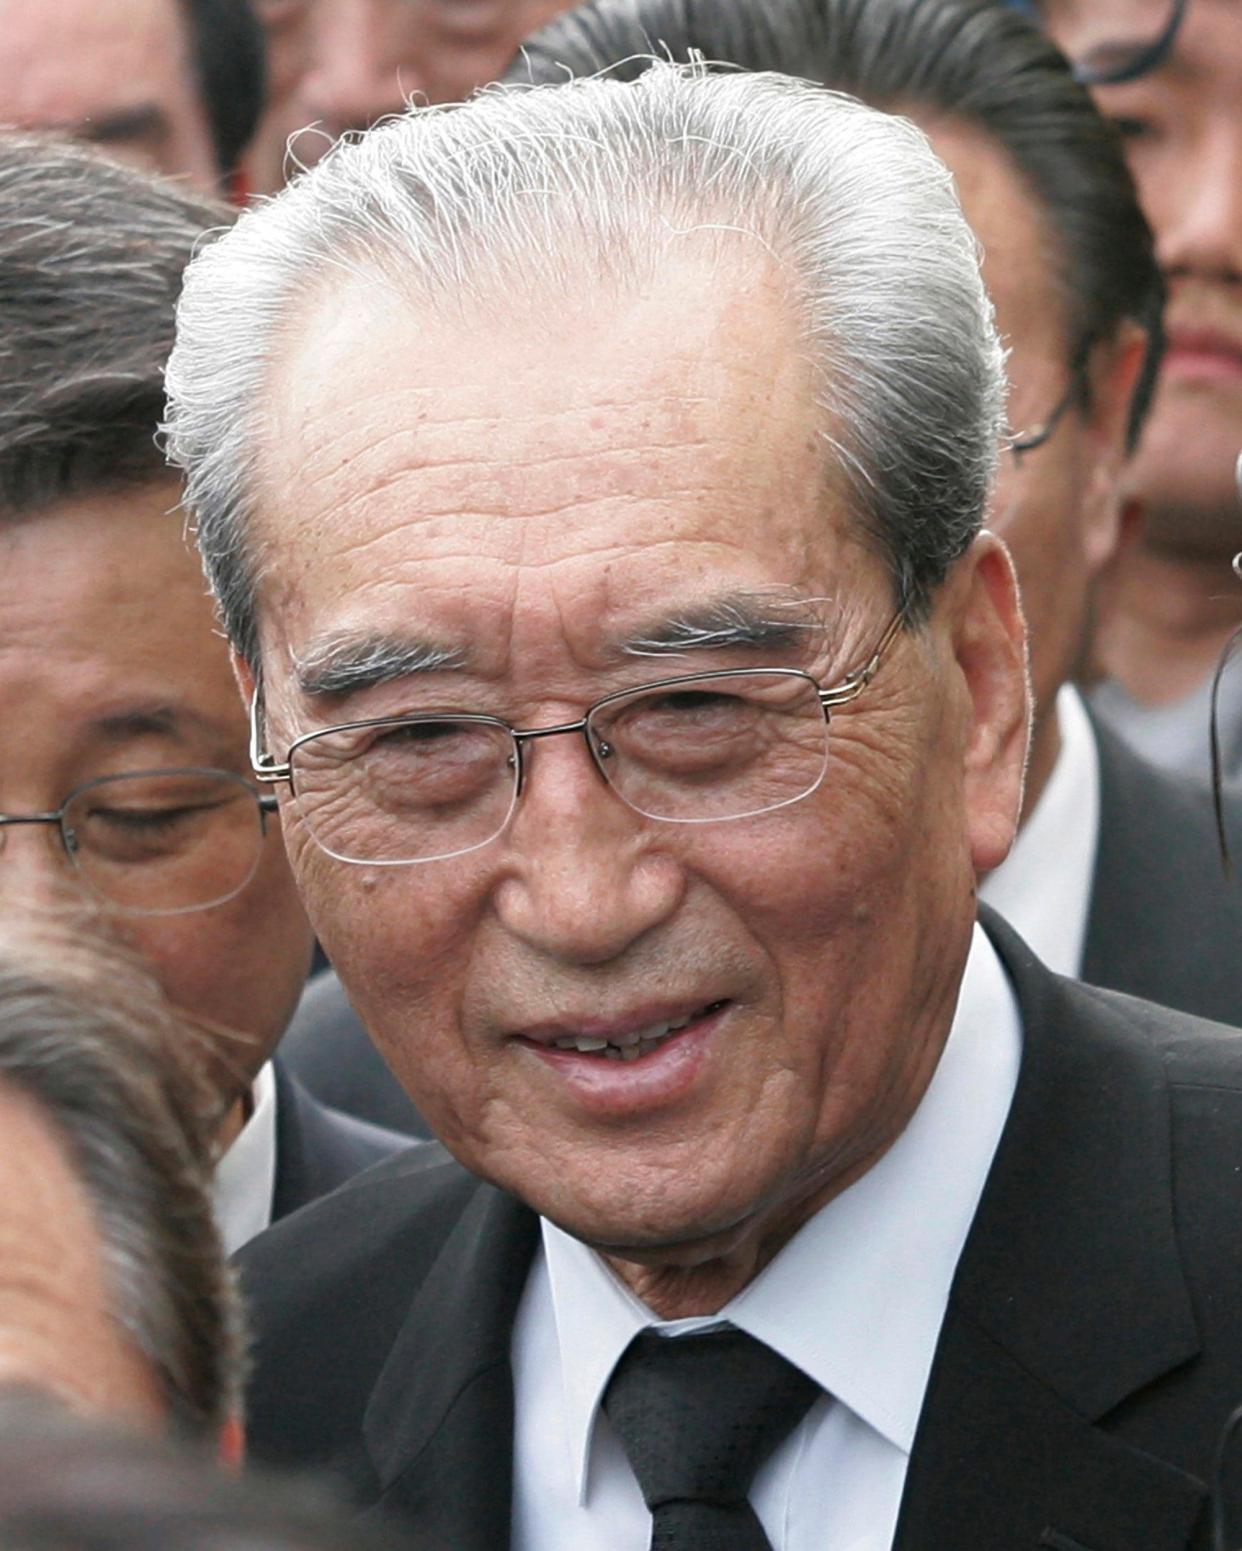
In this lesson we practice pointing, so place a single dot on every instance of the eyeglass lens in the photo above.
(163, 842)
(696, 751)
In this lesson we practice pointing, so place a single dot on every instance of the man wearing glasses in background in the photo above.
(124, 792)
(1169, 74)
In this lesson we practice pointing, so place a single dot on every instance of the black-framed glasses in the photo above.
(1021, 442)
(698, 749)
(1110, 42)
(160, 842)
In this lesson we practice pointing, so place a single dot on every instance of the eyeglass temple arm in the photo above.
(853, 684)
(262, 765)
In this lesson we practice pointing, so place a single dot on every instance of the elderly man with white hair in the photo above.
(592, 480)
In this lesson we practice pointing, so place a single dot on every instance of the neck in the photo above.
(1167, 623)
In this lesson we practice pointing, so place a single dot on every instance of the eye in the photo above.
(1132, 129)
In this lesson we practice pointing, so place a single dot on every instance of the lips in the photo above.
(1202, 353)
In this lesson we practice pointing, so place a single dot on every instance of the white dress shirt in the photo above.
(1043, 887)
(856, 1300)
(245, 1179)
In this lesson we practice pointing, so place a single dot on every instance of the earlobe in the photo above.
(990, 647)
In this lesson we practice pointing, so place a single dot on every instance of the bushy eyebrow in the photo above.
(348, 664)
(773, 621)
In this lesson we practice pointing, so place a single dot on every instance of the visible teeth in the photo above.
(626, 1047)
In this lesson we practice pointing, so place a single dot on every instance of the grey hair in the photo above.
(91, 259)
(527, 191)
(87, 1037)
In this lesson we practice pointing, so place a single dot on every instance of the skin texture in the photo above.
(87, 633)
(1182, 124)
(531, 503)
(1057, 507)
(342, 64)
(115, 72)
(56, 1333)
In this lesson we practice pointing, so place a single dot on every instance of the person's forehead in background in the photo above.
(115, 72)
(56, 1331)
(365, 58)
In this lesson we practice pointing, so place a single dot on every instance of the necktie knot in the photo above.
(698, 1415)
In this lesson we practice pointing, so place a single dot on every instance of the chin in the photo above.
(648, 1226)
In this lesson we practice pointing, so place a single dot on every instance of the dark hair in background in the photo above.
(91, 259)
(69, 1485)
(976, 61)
(87, 1037)
(229, 53)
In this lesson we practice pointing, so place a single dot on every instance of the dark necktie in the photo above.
(698, 1415)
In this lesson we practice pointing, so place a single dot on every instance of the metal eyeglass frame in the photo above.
(265, 804)
(271, 771)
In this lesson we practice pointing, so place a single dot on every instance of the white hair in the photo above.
(567, 187)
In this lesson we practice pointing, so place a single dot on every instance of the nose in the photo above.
(585, 876)
(1201, 229)
(358, 69)
(35, 872)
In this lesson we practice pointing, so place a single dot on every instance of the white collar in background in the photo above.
(245, 1180)
(1043, 887)
(856, 1299)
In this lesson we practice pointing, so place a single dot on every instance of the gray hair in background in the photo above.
(91, 259)
(72, 1484)
(567, 188)
(88, 1038)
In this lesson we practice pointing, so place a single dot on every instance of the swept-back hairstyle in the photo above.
(91, 259)
(87, 1037)
(977, 62)
(521, 195)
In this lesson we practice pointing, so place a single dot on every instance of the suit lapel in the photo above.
(1069, 1298)
(439, 1425)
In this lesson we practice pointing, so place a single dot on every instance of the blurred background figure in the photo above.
(127, 791)
(1178, 107)
(70, 1485)
(114, 1298)
(172, 85)
(339, 65)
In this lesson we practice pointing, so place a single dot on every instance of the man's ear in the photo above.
(231, 1448)
(1113, 372)
(989, 645)
(244, 675)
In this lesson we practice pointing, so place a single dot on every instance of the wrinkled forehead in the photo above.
(588, 451)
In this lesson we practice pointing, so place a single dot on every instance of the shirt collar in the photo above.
(245, 1177)
(856, 1299)
(1043, 888)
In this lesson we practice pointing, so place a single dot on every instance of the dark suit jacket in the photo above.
(1165, 921)
(1091, 1350)
(317, 1148)
(331, 1055)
